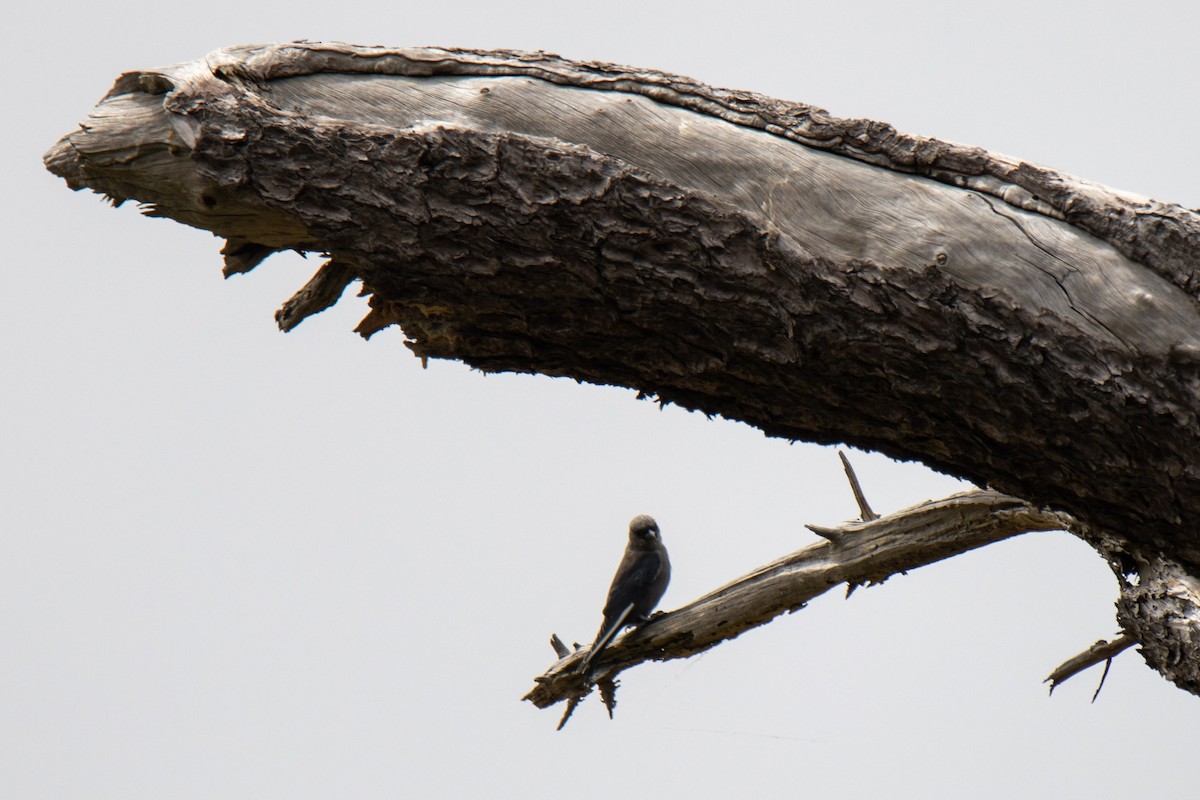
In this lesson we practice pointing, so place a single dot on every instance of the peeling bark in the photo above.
(1161, 611)
(822, 279)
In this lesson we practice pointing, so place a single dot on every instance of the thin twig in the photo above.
(864, 509)
(572, 704)
(832, 534)
(560, 648)
(1103, 675)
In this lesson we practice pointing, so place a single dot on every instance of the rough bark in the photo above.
(822, 279)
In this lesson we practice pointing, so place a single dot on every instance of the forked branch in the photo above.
(860, 553)
(1101, 651)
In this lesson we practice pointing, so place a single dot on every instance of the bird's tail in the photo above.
(608, 632)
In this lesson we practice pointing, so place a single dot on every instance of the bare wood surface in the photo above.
(1163, 235)
(866, 553)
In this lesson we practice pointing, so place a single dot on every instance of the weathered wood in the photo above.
(865, 513)
(1160, 610)
(821, 279)
(864, 553)
(1100, 651)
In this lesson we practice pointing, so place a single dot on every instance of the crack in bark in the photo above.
(1060, 282)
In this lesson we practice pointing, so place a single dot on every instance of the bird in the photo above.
(641, 579)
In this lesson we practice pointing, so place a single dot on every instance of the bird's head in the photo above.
(643, 528)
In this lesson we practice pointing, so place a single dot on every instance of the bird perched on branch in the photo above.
(637, 587)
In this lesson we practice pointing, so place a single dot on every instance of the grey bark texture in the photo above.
(821, 279)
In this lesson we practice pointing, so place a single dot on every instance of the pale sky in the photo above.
(241, 564)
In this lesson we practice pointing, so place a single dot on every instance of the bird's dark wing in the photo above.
(630, 598)
(633, 584)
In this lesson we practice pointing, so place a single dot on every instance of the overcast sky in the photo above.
(241, 564)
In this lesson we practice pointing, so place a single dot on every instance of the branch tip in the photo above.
(864, 508)
(608, 693)
(561, 649)
(572, 703)
(832, 534)
(323, 290)
(1103, 675)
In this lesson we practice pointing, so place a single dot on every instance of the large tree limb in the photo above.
(822, 279)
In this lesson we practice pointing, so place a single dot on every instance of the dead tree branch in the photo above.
(1101, 651)
(864, 553)
(822, 279)
(864, 509)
